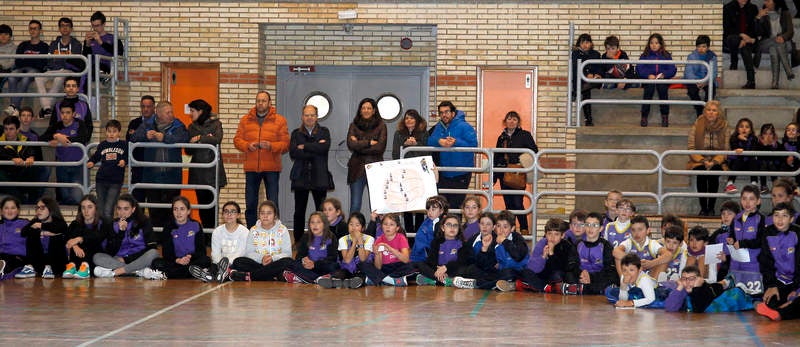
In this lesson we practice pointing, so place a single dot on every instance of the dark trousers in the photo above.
(395, 270)
(515, 202)
(160, 216)
(747, 56)
(708, 184)
(56, 255)
(694, 93)
(430, 271)
(311, 276)
(663, 94)
(539, 280)
(270, 272)
(207, 215)
(13, 262)
(300, 203)
(457, 182)
(483, 279)
(740, 164)
(175, 270)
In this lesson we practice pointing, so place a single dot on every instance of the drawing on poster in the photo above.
(401, 185)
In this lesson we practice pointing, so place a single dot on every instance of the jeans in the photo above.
(252, 184)
(21, 84)
(107, 194)
(69, 174)
(357, 194)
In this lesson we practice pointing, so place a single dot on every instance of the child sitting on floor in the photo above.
(554, 263)
(637, 288)
(693, 294)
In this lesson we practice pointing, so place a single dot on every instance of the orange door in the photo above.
(184, 82)
(504, 90)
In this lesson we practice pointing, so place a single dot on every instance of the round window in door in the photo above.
(389, 106)
(322, 102)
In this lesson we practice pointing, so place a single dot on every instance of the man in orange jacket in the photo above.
(263, 137)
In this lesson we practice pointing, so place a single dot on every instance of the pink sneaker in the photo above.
(731, 188)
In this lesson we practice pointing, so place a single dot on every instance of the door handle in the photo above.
(174, 77)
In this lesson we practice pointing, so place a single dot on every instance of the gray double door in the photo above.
(344, 87)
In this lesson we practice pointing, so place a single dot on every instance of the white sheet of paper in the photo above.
(711, 253)
(741, 255)
(401, 185)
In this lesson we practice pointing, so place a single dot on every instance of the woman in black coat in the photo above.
(308, 148)
(206, 128)
(513, 136)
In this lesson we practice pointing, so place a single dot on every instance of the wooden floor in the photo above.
(132, 311)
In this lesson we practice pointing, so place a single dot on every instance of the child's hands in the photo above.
(89, 164)
(770, 293)
(486, 241)
(121, 163)
(739, 151)
(441, 273)
(585, 278)
(308, 264)
(624, 303)
(265, 260)
(546, 251)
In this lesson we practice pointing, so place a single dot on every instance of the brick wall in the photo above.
(530, 33)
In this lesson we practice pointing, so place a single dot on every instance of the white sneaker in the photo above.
(102, 272)
(150, 274)
(48, 272)
(11, 111)
(464, 283)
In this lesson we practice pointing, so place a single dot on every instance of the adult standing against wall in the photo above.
(412, 131)
(709, 133)
(513, 136)
(205, 129)
(739, 33)
(263, 137)
(452, 131)
(308, 148)
(366, 139)
(165, 129)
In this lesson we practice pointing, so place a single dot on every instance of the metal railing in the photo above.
(709, 78)
(133, 162)
(84, 186)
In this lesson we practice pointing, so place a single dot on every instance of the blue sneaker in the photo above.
(48, 272)
(27, 272)
(400, 282)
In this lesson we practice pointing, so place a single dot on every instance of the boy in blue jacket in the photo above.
(702, 52)
(511, 251)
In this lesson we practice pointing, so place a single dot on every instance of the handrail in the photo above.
(133, 162)
(33, 184)
(709, 77)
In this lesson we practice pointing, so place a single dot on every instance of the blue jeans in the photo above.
(107, 194)
(69, 174)
(252, 184)
(21, 84)
(357, 194)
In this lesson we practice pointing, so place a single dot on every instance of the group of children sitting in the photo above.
(744, 138)
(650, 68)
(593, 253)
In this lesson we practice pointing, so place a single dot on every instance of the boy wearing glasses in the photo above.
(554, 263)
(64, 44)
(694, 294)
(597, 267)
(575, 233)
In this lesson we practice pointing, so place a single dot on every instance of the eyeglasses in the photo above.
(592, 225)
(230, 212)
(451, 225)
(577, 225)
(688, 278)
(41, 207)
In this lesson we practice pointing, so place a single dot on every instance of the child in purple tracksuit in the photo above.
(779, 260)
(316, 253)
(598, 269)
(693, 294)
(746, 232)
(46, 241)
(64, 132)
(131, 246)
(12, 243)
(448, 254)
(355, 248)
(182, 242)
(554, 266)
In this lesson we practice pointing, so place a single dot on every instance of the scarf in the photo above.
(701, 128)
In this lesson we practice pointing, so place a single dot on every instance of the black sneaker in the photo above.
(45, 113)
(353, 283)
(329, 283)
(643, 122)
(240, 276)
(200, 273)
(223, 269)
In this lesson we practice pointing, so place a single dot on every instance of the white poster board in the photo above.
(401, 185)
